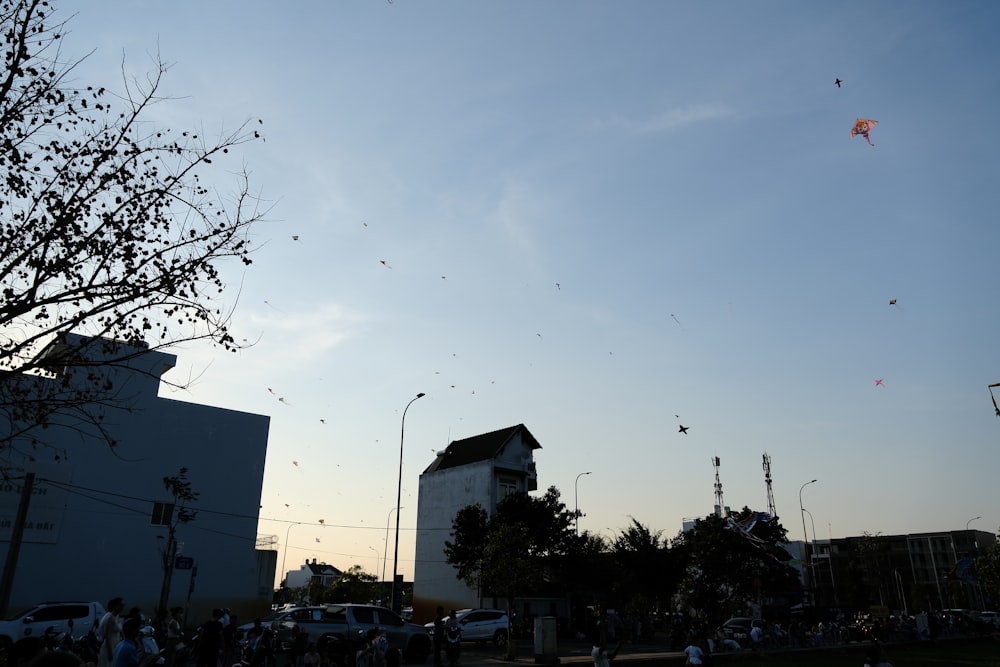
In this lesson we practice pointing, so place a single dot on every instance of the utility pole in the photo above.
(17, 535)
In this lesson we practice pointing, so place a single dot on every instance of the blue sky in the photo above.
(600, 215)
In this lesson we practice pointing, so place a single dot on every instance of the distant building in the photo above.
(320, 574)
(899, 573)
(483, 469)
(97, 520)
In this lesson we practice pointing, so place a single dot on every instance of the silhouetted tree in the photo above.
(107, 228)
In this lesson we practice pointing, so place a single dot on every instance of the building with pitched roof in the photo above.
(483, 469)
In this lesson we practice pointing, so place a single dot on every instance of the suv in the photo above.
(338, 630)
(72, 618)
(481, 625)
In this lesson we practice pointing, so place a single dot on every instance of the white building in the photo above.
(483, 469)
(94, 527)
(321, 573)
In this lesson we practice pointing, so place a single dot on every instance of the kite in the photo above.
(322, 520)
(863, 126)
(878, 383)
(995, 407)
(892, 302)
(838, 82)
(295, 237)
(295, 463)
(384, 263)
(683, 429)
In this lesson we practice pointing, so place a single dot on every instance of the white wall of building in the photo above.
(89, 534)
(441, 494)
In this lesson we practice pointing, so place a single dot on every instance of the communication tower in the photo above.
(720, 505)
(767, 481)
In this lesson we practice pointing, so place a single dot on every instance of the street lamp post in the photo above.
(385, 544)
(377, 557)
(284, 552)
(971, 520)
(576, 502)
(805, 535)
(399, 499)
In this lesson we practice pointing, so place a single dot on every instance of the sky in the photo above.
(602, 220)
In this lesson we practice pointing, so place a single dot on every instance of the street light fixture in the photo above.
(805, 535)
(399, 499)
(971, 520)
(385, 544)
(576, 502)
(284, 552)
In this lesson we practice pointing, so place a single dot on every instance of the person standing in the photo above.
(438, 634)
(109, 632)
(210, 641)
(453, 637)
(128, 653)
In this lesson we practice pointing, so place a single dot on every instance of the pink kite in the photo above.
(878, 383)
(863, 126)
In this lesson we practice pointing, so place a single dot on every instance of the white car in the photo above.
(73, 618)
(481, 625)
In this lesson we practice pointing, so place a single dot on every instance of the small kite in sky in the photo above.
(995, 406)
(384, 263)
(878, 383)
(677, 320)
(281, 399)
(863, 126)
(295, 463)
(271, 391)
(892, 302)
(838, 82)
(683, 429)
(295, 237)
(322, 520)
(317, 539)
(558, 286)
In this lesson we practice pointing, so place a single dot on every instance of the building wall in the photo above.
(441, 494)
(89, 535)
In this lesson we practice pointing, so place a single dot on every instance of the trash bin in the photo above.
(545, 640)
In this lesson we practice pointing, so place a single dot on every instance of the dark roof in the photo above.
(320, 569)
(480, 447)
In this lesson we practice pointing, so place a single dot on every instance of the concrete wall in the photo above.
(90, 536)
(441, 494)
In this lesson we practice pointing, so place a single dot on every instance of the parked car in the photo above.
(738, 628)
(279, 615)
(481, 625)
(72, 618)
(991, 617)
(339, 629)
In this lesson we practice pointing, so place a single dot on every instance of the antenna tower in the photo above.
(767, 480)
(719, 504)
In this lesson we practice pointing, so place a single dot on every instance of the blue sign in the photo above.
(183, 563)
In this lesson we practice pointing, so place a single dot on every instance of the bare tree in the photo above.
(107, 229)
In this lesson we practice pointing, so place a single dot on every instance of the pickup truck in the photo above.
(73, 618)
(338, 631)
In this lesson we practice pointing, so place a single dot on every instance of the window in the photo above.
(163, 514)
(388, 618)
(507, 486)
(364, 615)
(59, 613)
